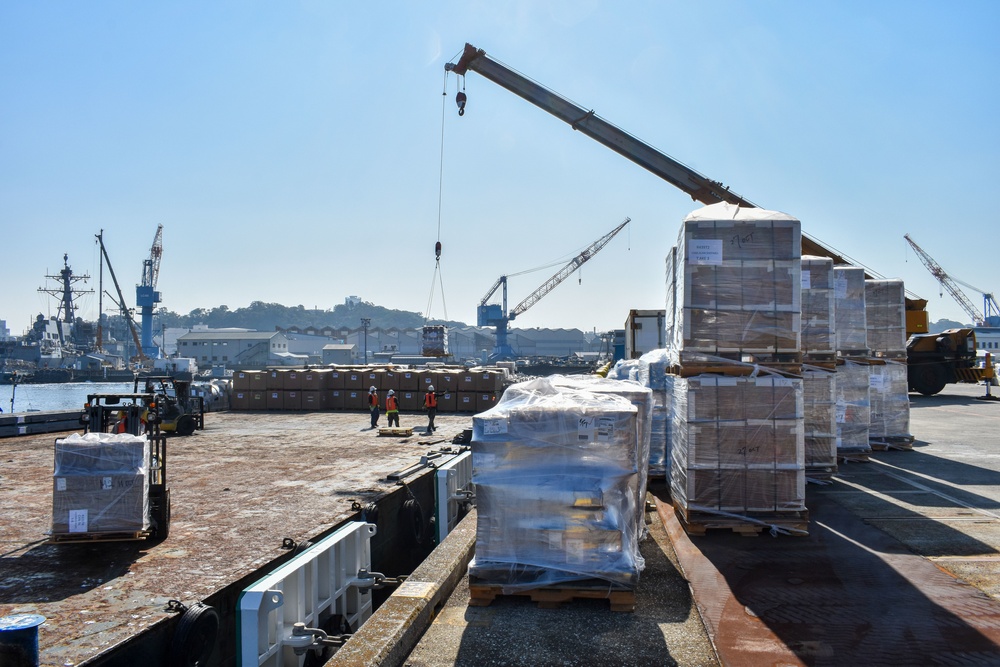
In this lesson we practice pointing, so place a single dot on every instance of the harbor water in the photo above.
(58, 396)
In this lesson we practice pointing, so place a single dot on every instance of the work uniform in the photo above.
(431, 405)
(392, 409)
(373, 405)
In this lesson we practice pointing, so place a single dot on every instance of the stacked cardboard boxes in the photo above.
(818, 333)
(889, 421)
(819, 405)
(558, 475)
(100, 484)
(853, 410)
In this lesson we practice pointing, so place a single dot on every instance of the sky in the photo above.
(304, 152)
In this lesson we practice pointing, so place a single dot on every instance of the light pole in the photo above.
(365, 323)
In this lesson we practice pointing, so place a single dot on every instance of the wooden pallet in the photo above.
(80, 538)
(693, 369)
(901, 442)
(699, 523)
(853, 457)
(553, 597)
(396, 432)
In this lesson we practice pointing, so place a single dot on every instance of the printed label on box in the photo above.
(105, 484)
(877, 382)
(60, 483)
(806, 279)
(494, 426)
(705, 251)
(841, 411)
(605, 429)
(78, 521)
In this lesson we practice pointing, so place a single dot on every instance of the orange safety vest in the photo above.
(373, 400)
(430, 400)
(391, 405)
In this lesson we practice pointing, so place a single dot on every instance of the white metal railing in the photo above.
(330, 578)
(453, 487)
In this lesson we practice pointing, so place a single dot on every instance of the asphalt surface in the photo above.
(901, 567)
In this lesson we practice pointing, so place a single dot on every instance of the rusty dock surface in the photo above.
(239, 488)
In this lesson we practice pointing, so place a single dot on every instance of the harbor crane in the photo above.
(496, 315)
(991, 311)
(122, 307)
(146, 296)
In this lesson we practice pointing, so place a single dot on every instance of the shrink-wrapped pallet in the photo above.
(651, 370)
(890, 401)
(100, 484)
(819, 403)
(734, 283)
(885, 313)
(818, 334)
(850, 319)
(559, 475)
(853, 409)
(737, 445)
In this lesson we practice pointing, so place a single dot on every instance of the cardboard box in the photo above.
(292, 399)
(275, 379)
(410, 401)
(466, 401)
(241, 381)
(99, 503)
(355, 399)
(240, 400)
(372, 378)
(409, 381)
(449, 380)
(390, 379)
(485, 401)
(292, 379)
(312, 400)
(448, 402)
(336, 399)
(274, 399)
(426, 379)
(258, 380)
(355, 380)
(467, 382)
(258, 400)
(315, 379)
(337, 379)
(489, 381)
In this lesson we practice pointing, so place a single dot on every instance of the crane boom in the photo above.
(946, 281)
(121, 299)
(565, 272)
(699, 187)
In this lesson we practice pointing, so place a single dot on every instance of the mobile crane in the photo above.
(699, 187)
(495, 315)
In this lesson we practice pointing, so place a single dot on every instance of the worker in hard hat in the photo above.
(431, 406)
(121, 426)
(392, 408)
(373, 405)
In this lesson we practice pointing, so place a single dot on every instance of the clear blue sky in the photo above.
(292, 151)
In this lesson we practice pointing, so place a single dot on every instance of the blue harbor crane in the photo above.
(146, 296)
(496, 315)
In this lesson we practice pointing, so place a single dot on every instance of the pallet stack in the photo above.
(819, 340)
(885, 310)
(559, 484)
(734, 305)
(346, 388)
(853, 401)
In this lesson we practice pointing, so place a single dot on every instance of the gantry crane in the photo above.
(496, 315)
(990, 308)
(146, 296)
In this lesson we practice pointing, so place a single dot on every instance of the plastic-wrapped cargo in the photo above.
(434, 341)
(885, 312)
(100, 484)
(559, 474)
(818, 334)
(890, 401)
(737, 445)
(819, 405)
(850, 320)
(652, 370)
(853, 409)
(736, 283)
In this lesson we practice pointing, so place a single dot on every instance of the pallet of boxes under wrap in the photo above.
(559, 476)
(734, 286)
(853, 410)
(819, 407)
(652, 370)
(889, 400)
(100, 485)
(738, 454)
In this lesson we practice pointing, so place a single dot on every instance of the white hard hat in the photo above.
(371, 389)
(430, 387)
(392, 393)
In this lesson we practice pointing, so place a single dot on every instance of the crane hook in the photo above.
(437, 250)
(460, 100)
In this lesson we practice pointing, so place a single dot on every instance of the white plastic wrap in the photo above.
(560, 475)
(853, 408)
(885, 311)
(737, 444)
(890, 401)
(819, 399)
(850, 318)
(651, 370)
(100, 484)
(818, 335)
(734, 284)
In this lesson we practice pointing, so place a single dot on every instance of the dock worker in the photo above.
(392, 408)
(431, 406)
(373, 405)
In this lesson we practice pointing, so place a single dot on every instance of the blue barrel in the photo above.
(19, 639)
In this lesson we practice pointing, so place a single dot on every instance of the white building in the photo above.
(235, 349)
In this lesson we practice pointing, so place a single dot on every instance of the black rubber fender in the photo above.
(195, 638)
(411, 521)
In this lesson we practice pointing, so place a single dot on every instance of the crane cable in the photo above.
(438, 277)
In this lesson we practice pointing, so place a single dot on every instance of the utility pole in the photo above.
(365, 323)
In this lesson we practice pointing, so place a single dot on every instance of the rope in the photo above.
(437, 276)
